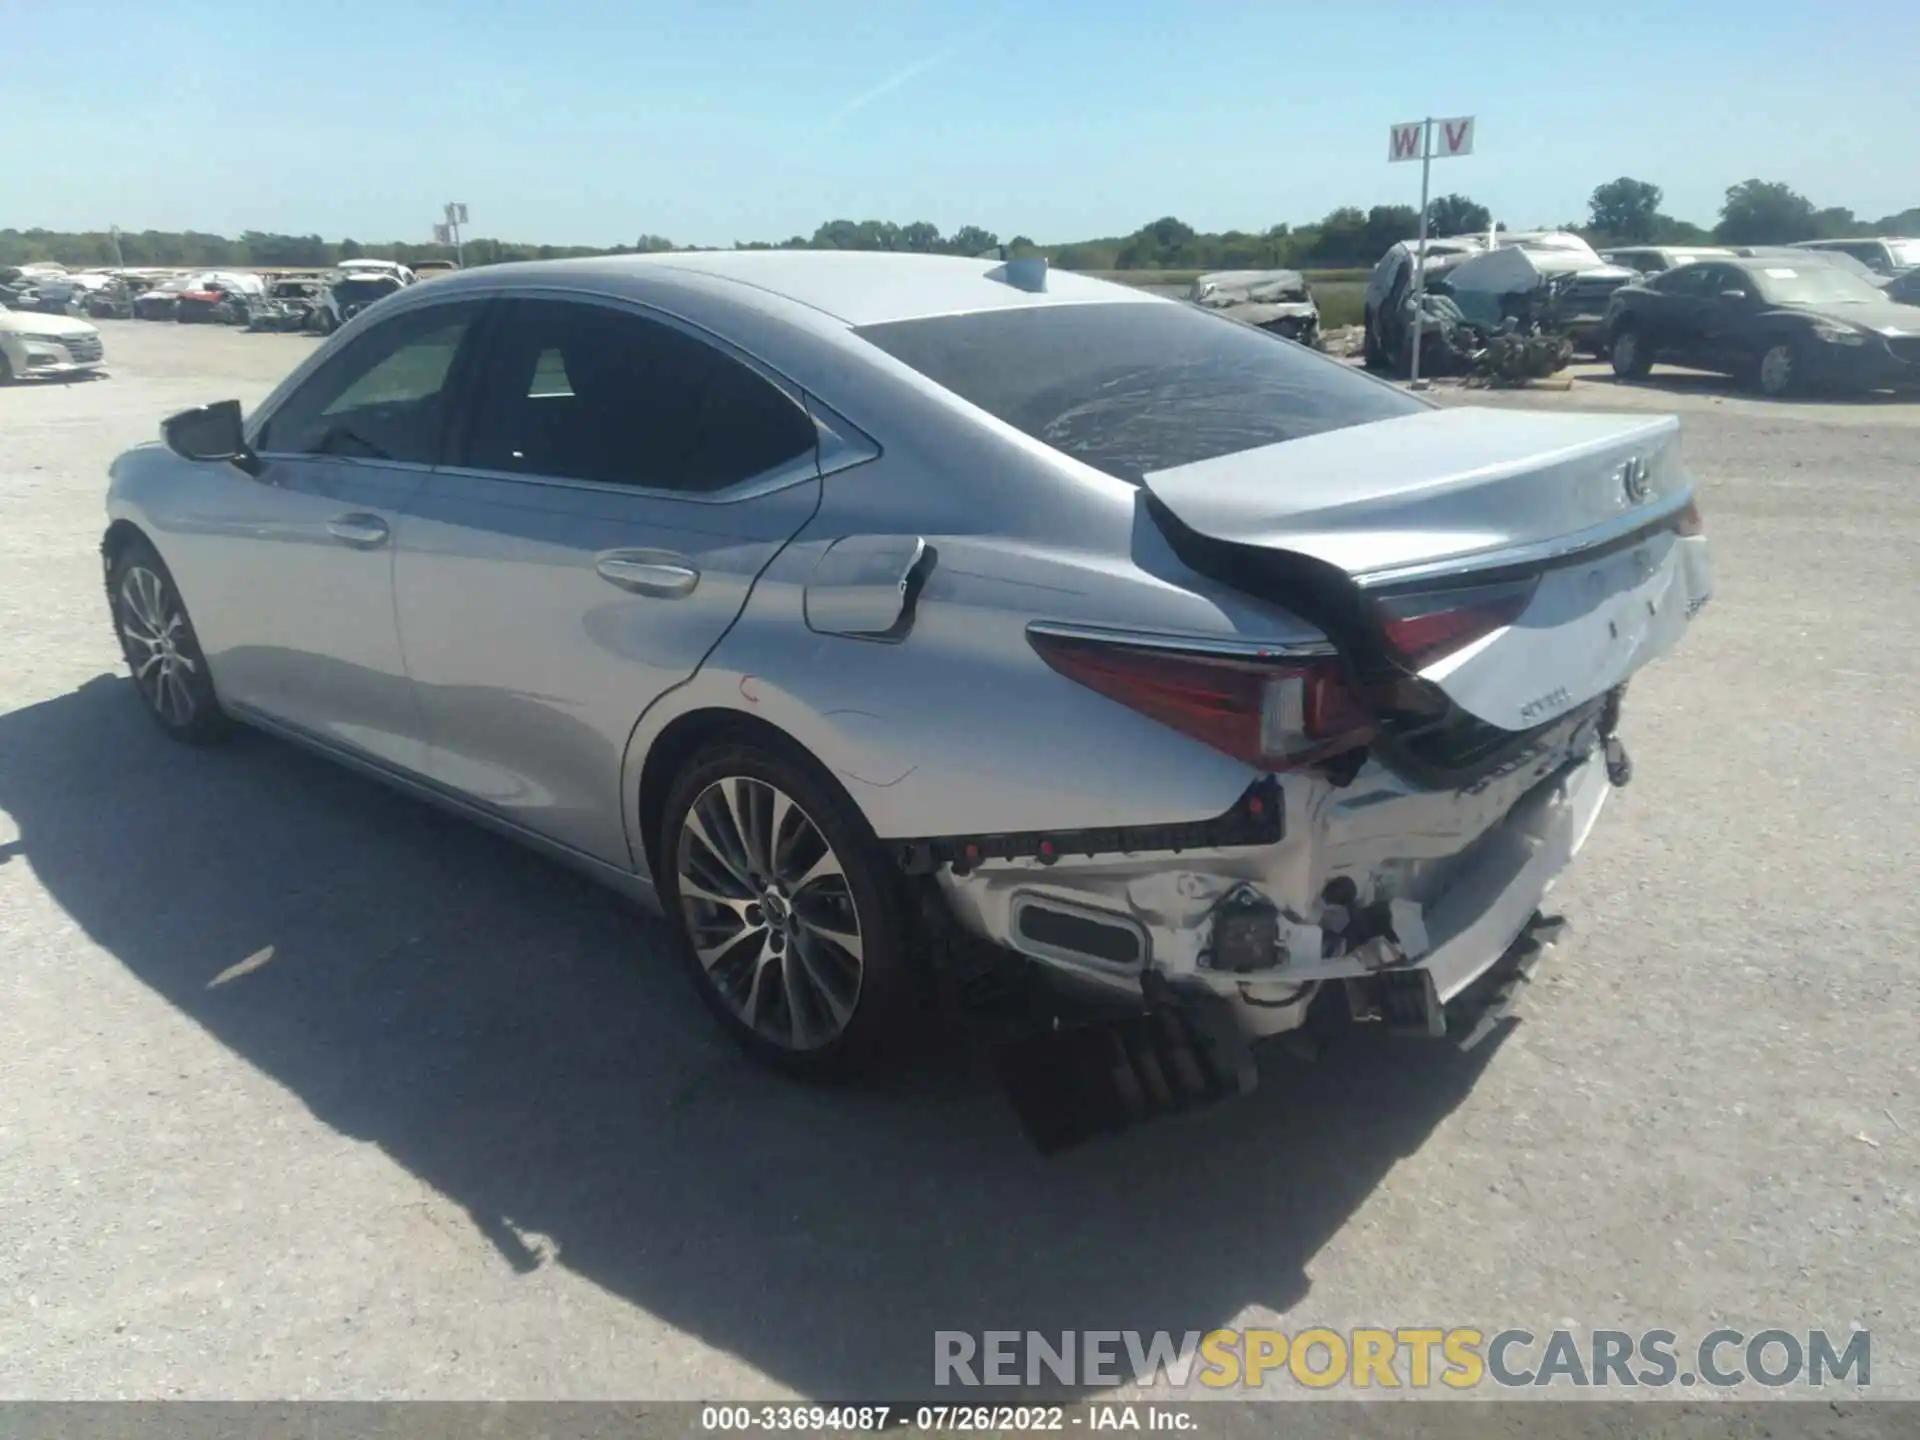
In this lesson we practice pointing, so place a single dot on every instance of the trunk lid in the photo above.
(1584, 506)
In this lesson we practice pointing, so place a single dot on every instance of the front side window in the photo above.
(381, 398)
(580, 391)
(1684, 280)
(1130, 388)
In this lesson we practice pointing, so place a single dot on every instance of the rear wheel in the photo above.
(1778, 372)
(1630, 357)
(163, 653)
(6, 370)
(789, 912)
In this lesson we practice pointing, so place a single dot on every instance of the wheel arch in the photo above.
(678, 741)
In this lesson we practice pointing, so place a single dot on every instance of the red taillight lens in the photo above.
(1420, 628)
(1275, 715)
(1689, 523)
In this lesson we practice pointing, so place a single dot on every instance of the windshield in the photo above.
(1133, 388)
(1813, 285)
(1905, 252)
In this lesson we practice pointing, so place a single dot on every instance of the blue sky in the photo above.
(594, 121)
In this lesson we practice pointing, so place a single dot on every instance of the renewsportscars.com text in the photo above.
(1416, 1358)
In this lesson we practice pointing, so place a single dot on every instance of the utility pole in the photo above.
(1420, 260)
(1457, 139)
(119, 261)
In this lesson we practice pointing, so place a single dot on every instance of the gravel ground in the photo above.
(455, 1129)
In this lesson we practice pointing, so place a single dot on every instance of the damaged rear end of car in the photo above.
(1428, 621)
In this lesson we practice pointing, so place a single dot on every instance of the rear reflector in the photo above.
(1273, 714)
(1689, 522)
(1421, 628)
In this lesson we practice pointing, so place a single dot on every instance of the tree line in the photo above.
(1625, 210)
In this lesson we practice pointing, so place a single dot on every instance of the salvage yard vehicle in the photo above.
(1784, 327)
(1387, 309)
(1277, 300)
(162, 301)
(287, 305)
(1653, 259)
(1559, 288)
(352, 288)
(44, 346)
(1903, 289)
(1884, 255)
(865, 611)
(218, 297)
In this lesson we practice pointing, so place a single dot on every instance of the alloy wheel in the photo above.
(1776, 370)
(155, 631)
(1626, 347)
(769, 912)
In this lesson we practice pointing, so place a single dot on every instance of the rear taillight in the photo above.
(1688, 523)
(1422, 627)
(1274, 714)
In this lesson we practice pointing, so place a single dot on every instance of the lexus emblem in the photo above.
(1635, 480)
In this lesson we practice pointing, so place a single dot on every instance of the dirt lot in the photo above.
(460, 1132)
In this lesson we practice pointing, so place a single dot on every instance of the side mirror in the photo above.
(1739, 297)
(211, 432)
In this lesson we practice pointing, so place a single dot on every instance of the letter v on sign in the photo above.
(1453, 137)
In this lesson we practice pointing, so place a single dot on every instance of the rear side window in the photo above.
(580, 391)
(1132, 388)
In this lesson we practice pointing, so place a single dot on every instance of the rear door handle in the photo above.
(364, 531)
(660, 574)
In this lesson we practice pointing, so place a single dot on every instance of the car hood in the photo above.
(44, 324)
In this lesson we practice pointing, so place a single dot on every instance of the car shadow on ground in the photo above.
(516, 1038)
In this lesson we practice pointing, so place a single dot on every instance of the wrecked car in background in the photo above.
(39, 345)
(161, 299)
(355, 285)
(288, 303)
(1555, 287)
(1279, 301)
(1386, 341)
(218, 297)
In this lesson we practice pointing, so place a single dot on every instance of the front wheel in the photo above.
(163, 652)
(1779, 370)
(1630, 357)
(789, 911)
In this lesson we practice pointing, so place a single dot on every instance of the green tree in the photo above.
(1765, 212)
(972, 240)
(1454, 215)
(1387, 225)
(1626, 209)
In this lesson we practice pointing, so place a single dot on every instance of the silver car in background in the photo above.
(843, 602)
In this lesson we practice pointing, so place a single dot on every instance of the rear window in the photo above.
(1132, 388)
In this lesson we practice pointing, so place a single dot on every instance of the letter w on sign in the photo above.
(1403, 141)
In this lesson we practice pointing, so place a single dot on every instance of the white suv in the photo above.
(35, 344)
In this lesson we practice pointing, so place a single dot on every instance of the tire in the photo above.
(323, 323)
(1371, 355)
(169, 670)
(6, 371)
(764, 926)
(1777, 372)
(1630, 358)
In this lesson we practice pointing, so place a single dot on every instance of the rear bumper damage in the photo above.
(1407, 899)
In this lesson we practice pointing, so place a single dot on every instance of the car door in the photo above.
(1676, 322)
(296, 562)
(618, 485)
(1728, 306)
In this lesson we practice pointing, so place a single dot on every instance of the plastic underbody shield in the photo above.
(1074, 1082)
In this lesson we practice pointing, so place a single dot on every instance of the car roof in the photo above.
(854, 287)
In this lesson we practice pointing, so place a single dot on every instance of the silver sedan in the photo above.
(836, 603)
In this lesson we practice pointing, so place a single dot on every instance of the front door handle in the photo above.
(363, 531)
(649, 572)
